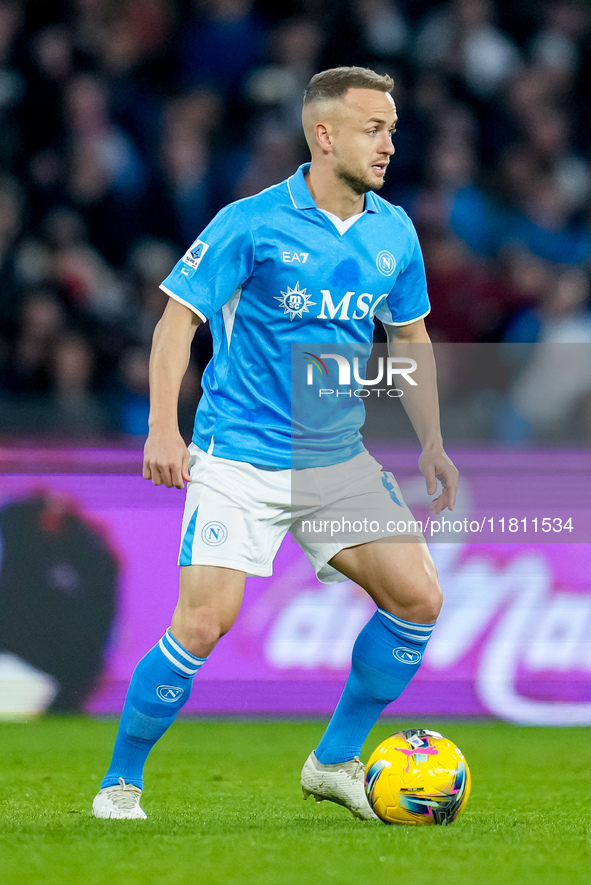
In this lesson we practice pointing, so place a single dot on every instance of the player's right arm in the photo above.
(199, 285)
(166, 457)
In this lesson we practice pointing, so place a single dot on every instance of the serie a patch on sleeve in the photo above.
(194, 255)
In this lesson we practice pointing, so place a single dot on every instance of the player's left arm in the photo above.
(421, 403)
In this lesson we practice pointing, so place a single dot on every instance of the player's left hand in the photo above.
(435, 465)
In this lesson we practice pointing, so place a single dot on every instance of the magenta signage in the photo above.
(512, 639)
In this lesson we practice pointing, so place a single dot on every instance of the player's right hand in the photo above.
(166, 459)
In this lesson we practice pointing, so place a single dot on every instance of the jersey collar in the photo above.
(302, 198)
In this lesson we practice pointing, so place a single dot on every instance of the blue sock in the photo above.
(386, 655)
(160, 686)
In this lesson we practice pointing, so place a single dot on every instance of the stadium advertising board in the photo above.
(511, 640)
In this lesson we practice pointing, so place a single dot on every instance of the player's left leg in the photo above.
(400, 577)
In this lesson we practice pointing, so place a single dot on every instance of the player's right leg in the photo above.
(230, 529)
(209, 600)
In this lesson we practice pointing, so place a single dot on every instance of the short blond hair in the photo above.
(335, 82)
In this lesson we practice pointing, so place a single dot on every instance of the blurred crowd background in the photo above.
(126, 124)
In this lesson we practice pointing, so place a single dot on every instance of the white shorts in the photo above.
(236, 515)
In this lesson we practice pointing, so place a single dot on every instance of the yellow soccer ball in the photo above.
(417, 777)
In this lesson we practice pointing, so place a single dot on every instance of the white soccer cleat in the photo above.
(341, 783)
(121, 801)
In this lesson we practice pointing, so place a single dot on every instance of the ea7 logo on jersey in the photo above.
(194, 255)
(294, 257)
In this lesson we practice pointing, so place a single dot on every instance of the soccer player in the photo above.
(312, 259)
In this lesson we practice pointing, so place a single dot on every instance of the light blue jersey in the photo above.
(272, 271)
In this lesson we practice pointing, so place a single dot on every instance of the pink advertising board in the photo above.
(512, 640)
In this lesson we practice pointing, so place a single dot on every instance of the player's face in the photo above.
(362, 142)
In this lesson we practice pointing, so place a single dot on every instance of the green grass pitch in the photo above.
(225, 806)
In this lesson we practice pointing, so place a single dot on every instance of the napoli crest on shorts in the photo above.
(169, 693)
(214, 533)
(386, 263)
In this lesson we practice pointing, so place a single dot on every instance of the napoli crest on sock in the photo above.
(407, 655)
(169, 693)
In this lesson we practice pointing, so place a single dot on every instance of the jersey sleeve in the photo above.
(215, 265)
(408, 300)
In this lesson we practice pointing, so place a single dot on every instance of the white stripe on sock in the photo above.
(415, 636)
(165, 651)
(422, 628)
(185, 654)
